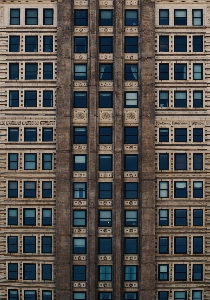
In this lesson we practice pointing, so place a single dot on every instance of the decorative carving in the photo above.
(106, 83)
(79, 284)
(80, 115)
(131, 2)
(15, 123)
(105, 115)
(131, 257)
(106, 56)
(1, 14)
(180, 123)
(132, 56)
(131, 284)
(106, 3)
(79, 174)
(131, 203)
(82, 56)
(80, 2)
(131, 115)
(130, 174)
(105, 284)
(80, 83)
(105, 29)
(105, 230)
(30, 123)
(79, 147)
(131, 83)
(79, 230)
(79, 203)
(104, 257)
(2, 122)
(47, 122)
(130, 147)
(80, 29)
(105, 174)
(131, 230)
(208, 15)
(198, 123)
(131, 29)
(162, 123)
(105, 147)
(79, 257)
(105, 202)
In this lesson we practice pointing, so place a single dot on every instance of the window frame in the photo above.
(180, 245)
(163, 275)
(166, 19)
(14, 41)
(13, 159)
(46, 19)
(25, 271)
(194, 18)
(77, 19)
(101, 19)
(180, 21)
(163, 71)
(28, 19)
(14, 71)
(128, 21)
(12, 22)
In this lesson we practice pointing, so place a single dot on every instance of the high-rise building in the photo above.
(104, 142)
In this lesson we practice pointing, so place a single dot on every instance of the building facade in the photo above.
(104, 150)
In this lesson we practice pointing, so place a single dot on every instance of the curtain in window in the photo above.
(134, 71)
(180, 14)
(30, 213)
(102, 69)
(106, 14)
(180, 185)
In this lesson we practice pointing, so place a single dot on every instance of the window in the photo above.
(105, 190)
(131, 72)
(79, 296)
(105, 99)
(12, 189)
(13, 71)
(105, 296)
(180, 189)
(196, 295)
(13, 295)
(197, 71)
(47, 98)
(105, 135)
(105, 273)
(80, 99)
(29, 244)
(79, 273)
(31, 16)
(131, 17)
(163, 189)
(163, 217)
(105, 44)
(180, 161)
(79, 245)
(105, 17)
(180, 245)
(80, 162)
(131, 162)
(163, 161)
(14, 43)
(197, 99)
(48, 43)
(47, 134)
(131, 245)
(197, 43)
(197, 134)
(163, 135)
(163, 71)
(197, 189)
(31, 71)
(180, 43)
(80, 44)
(80, 72)
(30, 134)
(180, 217)
(79, 190)
(47, 71)
(79, 218)
(105, 162)
(180, 17)
(30, 99)
(197, 17)
(131, 190)
(15, 16)
(46, 295)
(131, 135)
(180, 134)
(80, 17)
(131, 218)
(180, 99)
(12, 161)
(162, 295)
(131, 44)
(180, 71)
(46, 244)
(12, 271)
(12, 244)
(180, 272)
(46, 217)
(129, 296)
(163, 99)
(12, 216)
(162, 272)
(105, 71)
(131, 99)
(197, 272)
(105, 218)
(31, 43)
(163, 43)
(13, 98)
(130, 273)
(29, 272)
(46, 161)
(163, 17)
(163, 245)
(46, 189)
(197, 217)
(29, 216)
(29, 189)
(48, 16)
(80, 135)
(180, 295)
(30, 161)
(197, 244)
(104, 245)
(30, 295)
(46, 272)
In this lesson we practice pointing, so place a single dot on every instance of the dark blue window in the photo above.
(131, 17)
(13, 134)
(197, 99)
(47, 98)
(180, 71)
(180, 217)
(29, 272)
(105, 135)
(180, 245)
(14, 43)
(131, 190)
(180, 135)
(12, 216)
(105, 99)
(12, 189)
(197, 245)
(80, 99)
(180, 99)
(46, 244)
(79, 273)
(131, 72)
(31, 71)
(131, 135)
(29, 244)
(105, 190)
(12, 244)
(180, 43)
(131, 162)
(163, 43)
(163, 245)
(163, 161)
(29, 189)
(13, 98)
(163, 71)
(30, 99)
(105, 162)
(105, 245)
(46, 272)
(106, 44)
(180, 189)
(106, 17)
(180, 17)
(197, 217)
(131, 44)
(13, 71)
(163, 17)
(180, 272)
(180, 161)
(15, 16)
(12, 271)
(197, 43)
(80, 44)
(131, 245)
(80, 17)
(163, 99)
